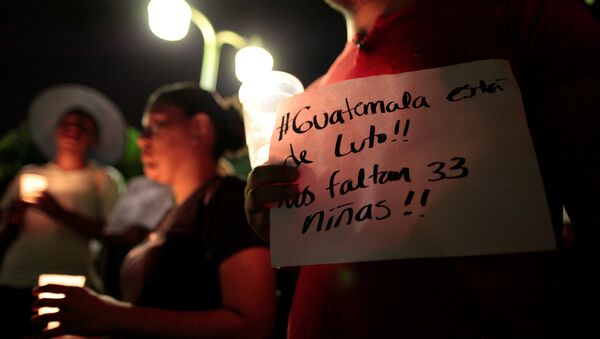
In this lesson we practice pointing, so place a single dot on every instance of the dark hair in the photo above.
(228, 121)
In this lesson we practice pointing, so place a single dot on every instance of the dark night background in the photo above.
(108, 45)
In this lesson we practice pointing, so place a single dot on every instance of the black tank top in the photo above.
(177, 266)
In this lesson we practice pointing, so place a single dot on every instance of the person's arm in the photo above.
(12, 213)
(247, 288)
(83, 225)
(131, 236)
(267, 185)
(11, 220)
(8, 234)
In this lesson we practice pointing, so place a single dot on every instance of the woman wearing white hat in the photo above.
(76, 127)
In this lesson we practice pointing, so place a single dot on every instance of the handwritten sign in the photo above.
(431, 163)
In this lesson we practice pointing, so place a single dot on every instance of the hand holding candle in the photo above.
(57, 279)
(32, 186)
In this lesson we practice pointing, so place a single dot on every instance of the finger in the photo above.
(259, 198)
(43, 197)
(46, 199)
(19, 204)
(47, 302)
(53, 333)
(42, 319)
(17, 208)
(271, 174)
(53, 288)
(47, 196)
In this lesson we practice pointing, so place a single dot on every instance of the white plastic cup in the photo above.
(57, 279)
(260, 98)
(31, 186)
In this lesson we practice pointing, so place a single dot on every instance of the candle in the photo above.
(57, 279)
(32, 186)
(260, 98)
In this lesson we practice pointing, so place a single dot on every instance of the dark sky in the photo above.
(106, 44)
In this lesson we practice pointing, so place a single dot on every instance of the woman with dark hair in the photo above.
(202, 272)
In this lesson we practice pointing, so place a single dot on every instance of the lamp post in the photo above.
(169, 20)
(262, 89)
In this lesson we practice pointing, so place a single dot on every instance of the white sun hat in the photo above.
(52, 103)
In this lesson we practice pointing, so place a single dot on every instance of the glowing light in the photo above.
(252, 62)
(57, 279)
(260, 97)
(169, 19)
(590, 2)
(32, 186)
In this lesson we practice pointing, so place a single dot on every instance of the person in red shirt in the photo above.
(553, 48)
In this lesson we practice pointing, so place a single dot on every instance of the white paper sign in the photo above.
(431, 163)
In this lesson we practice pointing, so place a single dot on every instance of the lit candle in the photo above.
(32, 186)
(260, 98)
(57, 279)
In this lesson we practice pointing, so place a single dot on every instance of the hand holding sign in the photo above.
(267, 185)
(430, 163)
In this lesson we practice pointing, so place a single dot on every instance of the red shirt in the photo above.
(548, 43)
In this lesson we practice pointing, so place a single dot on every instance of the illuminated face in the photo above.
(165, 143)
(76, 133)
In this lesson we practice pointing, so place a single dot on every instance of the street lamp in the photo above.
(262, 89)
(170, 19)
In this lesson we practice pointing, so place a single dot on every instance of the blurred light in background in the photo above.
(252, 62)
(169, 19)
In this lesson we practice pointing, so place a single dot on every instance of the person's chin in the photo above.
(154, 175)
(69, 144)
